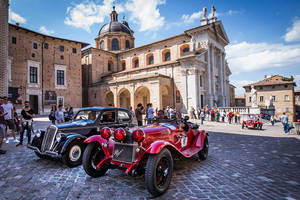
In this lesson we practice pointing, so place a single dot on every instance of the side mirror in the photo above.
(186, 118)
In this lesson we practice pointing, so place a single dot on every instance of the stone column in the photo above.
(132, 90)
(193, 90)
(184, 91)
(3, 47)
(213, 65)
(209, 77)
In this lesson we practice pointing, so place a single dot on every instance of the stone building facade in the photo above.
(239, 101)
(232, 95)
(3, 46)
(183, 71)
(297, 105)
(43, 69)
(279, 90)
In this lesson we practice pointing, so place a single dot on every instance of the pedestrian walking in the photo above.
(230, 115)
(52, 114)
(16, 120)
(27, 114)
(66, 113)
(223, 116)
(139, 111)
(192, 113)
(272, 120)
(2, 125)
(202, 116)
(59, 115)
(235, 117)
(199, 112)
(150, 114)
(218, 115)
(10, 124)
(285, 122)
(70, 113)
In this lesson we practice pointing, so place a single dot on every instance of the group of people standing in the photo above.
(214, 114)
(151, 114)
(59, 115)
(9, 119)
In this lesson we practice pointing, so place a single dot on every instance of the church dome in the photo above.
(115, 26)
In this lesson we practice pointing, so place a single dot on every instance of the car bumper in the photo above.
(48, 153)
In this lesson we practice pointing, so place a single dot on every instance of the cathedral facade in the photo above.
(182, 71)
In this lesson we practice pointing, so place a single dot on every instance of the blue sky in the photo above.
(264, 34)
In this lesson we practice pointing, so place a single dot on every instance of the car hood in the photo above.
(78, 123)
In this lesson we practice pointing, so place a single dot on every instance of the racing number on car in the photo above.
(184, 141)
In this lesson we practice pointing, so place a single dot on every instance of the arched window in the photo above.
(127, 44)
(150, 59)
(184, 49)
(115, 44)
(123, 63)
(166, 55)
(109, 66)
(135, 62)
(102, 45)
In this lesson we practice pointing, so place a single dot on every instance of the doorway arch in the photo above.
(109, 98)
(142, 95)
(124, 98)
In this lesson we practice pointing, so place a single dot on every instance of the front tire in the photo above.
(204, 152)
(92, 156)
(159, 171)
(73, 155)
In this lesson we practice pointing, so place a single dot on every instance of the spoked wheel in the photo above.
(159, 171)
(92, 156)
(204, 152)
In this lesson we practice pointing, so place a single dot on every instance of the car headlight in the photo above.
(58, 137)
(38, 133)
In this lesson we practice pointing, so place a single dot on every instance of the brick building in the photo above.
(239, 101)
(278, 89)
(3, 46)
(43, 69)
(183, 71)
(297, 104)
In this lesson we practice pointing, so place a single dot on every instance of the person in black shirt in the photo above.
(26, 120)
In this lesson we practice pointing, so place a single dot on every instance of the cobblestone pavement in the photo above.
(242, 164)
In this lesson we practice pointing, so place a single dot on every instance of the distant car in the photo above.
(65, 140)
(252, 123)
(148, 150)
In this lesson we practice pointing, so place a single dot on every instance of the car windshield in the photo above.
(87, 115)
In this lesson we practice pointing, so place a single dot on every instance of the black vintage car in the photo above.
(66, 140)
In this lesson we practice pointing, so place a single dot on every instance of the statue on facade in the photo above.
(213, 11)
(253, 96)
(204, 11)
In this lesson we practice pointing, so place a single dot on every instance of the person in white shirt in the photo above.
(10, 124)
(150, 113)
(59, 115)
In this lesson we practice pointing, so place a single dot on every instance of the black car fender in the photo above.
(70, 139)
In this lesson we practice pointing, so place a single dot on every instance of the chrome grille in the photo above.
(49, 138)
(124, 152)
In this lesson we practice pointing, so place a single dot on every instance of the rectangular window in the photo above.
(33, 74)
(61, 48)
(14, 40)
(261, 98)
(61, 57)
(249, 99)
(60, 75)
(60, 100)
(274, 98)
(200, 81)
(35, 45)
(287, 109)
(74, 50)
(286, 97)
(46, 45)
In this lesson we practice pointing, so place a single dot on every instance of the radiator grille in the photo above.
(49, 138)
(124, 152)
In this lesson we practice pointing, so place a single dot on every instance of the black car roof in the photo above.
(104, 109)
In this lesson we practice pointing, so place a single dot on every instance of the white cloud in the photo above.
(244, 56)
(87, 13)
(297, 80)
(239, 90)
(189, 19)
(44, 30)
(293, 34)
(16, 17)
(146, 14)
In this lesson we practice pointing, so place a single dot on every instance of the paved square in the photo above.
(242, 164)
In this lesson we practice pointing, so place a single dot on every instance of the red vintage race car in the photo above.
(252, 123)
(148, 150)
